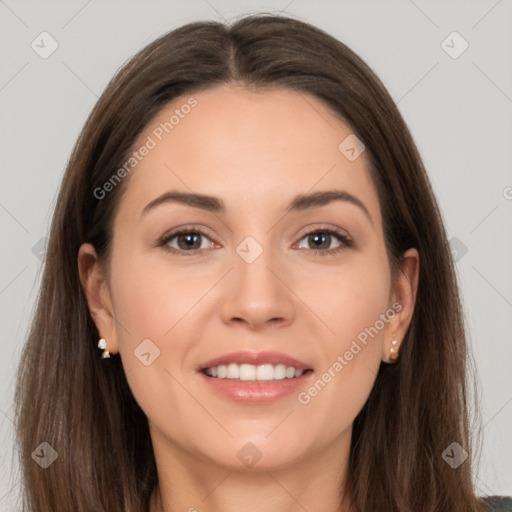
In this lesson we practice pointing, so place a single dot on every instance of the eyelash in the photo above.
(345, 241)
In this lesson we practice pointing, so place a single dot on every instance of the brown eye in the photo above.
(189, 241)
(185, 240)
(320, 241)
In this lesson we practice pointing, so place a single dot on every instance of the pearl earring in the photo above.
(103, 345)
(393, 356)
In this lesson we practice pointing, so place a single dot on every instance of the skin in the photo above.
(255, 151)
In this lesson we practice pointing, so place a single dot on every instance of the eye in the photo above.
(321, 239)
(192, 241)
(185, 240)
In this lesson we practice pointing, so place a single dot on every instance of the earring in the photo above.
(393, 356)
(103, 345)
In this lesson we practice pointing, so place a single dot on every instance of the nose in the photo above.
(258, 293)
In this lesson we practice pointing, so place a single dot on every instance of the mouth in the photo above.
(247, 366)
(255, 384)
(255, 373)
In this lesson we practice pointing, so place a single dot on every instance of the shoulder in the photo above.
(499, 503)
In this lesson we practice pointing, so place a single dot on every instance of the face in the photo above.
(189, 283)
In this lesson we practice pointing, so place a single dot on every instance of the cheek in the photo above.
(151, 296)
(156, 301)
(153, 305)
(351, 298)
(354, 312)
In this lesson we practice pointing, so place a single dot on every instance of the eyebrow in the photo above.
(215, 205)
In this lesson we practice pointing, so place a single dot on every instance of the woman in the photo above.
(247, 233)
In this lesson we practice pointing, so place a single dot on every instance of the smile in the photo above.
(250, 372)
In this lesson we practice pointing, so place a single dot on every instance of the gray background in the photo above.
(458, 109)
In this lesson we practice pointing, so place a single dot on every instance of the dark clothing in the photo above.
(499, 503)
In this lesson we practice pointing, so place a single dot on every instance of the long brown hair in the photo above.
(82, 406)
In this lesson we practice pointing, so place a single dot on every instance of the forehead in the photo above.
(257, 148)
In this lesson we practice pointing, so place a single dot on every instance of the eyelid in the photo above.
(324, 227)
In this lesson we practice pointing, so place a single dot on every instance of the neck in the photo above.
(193, 484)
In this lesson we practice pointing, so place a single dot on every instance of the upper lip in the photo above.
(255, 358)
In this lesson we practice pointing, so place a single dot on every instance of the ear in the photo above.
(405, 290)
(96, 289)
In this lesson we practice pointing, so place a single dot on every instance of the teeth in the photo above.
(248, 372)
(233, 372)
(265, 372)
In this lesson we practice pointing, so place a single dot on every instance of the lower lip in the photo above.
(256, 392)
